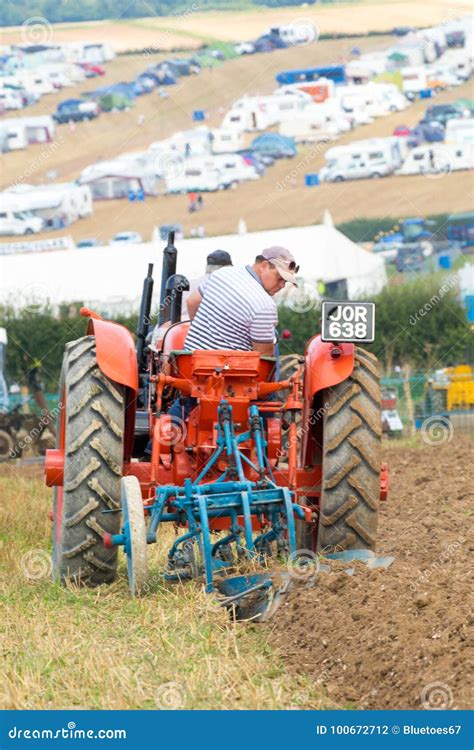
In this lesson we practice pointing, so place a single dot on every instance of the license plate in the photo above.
(348, 321)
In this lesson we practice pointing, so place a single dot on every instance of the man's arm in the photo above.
(193, 302)
(262, 332)
(264, 347)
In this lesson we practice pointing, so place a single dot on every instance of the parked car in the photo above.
(126, 238)
(402, 130)
(165, 229)
(245, 48)
(19, 223)
(76, 110)
(89, 242)
(277, 146)
(442, 113)
(92, 69)
(431, 132)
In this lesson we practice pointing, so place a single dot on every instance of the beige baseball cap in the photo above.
(283, 261)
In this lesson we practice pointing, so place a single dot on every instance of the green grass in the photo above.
(97, 649)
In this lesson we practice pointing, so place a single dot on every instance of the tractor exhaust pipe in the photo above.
(175, 286)
(170, 256)
(144, 319)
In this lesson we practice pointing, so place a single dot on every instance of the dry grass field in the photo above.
(388, 634)
(96, 649)
(192, 28)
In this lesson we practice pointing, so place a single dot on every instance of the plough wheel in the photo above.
(351, 460)
(90, 431)
(135, 533)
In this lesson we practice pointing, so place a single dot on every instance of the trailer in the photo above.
(24, 131)
(335, 73)
(432, 160)
(371, 158)
(313, 125)
(120, 178)
(227, 141)
(256, 113)
(420, 80)
(57, 204)
(460, 131)
(319, 91)
(233, 167)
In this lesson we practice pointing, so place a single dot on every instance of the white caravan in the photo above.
(23, 131)
(438, 159)
(460, 131)
(459, 62)
(255, 113)
(316, 123)
(371, 158)
(198, 179)
(66, 202)
(227, 141)
(10, 99)
(232, 167)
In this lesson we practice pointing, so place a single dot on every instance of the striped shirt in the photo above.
(235, 311)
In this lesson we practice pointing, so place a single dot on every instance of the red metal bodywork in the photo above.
(322, 370)
(241, 378)
(116, 357)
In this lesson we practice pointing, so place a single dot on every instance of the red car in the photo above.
(402, 130)
(93, 69)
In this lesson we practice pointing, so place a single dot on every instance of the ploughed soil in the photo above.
(401, 637)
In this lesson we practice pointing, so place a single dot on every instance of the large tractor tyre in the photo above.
(352, 434)
(90, 431)
(350, 490)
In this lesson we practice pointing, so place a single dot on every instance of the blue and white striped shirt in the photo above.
(235, 312)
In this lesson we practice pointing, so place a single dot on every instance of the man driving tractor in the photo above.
(234, 308)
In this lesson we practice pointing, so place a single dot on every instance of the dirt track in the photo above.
(397, 638)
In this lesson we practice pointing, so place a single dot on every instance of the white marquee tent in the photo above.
(111, 278)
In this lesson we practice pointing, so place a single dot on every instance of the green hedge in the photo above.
(366, 230)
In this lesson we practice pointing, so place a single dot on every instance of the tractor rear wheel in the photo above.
(352, 433)
(90, 431)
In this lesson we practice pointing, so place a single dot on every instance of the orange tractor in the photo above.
(260, 466)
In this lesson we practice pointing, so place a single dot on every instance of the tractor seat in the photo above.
(199, 365)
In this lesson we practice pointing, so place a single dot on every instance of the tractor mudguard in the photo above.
(115, 351)
(326, 364)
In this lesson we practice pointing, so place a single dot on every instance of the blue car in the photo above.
(277, 146)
